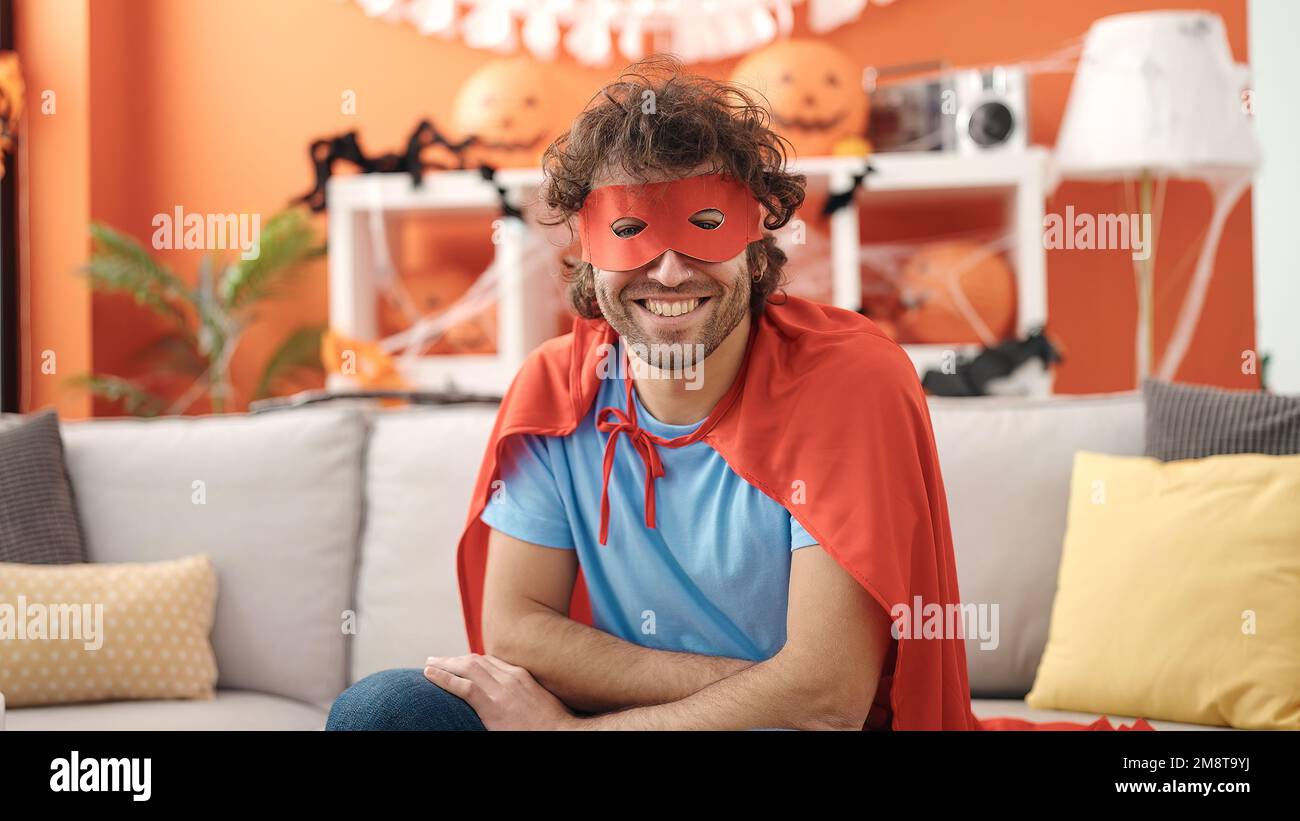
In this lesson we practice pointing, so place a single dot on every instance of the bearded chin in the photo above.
(724, 318)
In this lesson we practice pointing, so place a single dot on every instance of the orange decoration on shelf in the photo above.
(815, 93)
(939, 278)
(365, 363)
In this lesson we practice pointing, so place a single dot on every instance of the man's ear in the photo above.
(762, 268)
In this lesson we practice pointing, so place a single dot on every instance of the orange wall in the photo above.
(54, 170)
(210, 105)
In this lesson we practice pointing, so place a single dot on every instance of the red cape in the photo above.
(856, 465)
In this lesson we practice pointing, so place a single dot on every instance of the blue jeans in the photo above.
(400, 700)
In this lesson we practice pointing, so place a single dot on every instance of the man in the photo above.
(698, 509)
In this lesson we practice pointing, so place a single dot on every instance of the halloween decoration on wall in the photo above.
(11, 103)
(414, 160)
(814, 91)
(1003, 370)
(508, 110)
(599, 32)
(955, 292)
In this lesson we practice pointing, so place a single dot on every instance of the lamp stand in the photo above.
(1144, 274)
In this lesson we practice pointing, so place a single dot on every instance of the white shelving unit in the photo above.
(355, 200)
(1019, 177)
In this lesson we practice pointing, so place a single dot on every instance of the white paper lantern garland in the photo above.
(599, 32)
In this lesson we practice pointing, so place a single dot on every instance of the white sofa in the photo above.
(333, 530)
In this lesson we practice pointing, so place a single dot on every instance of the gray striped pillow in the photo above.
(1192, 421)
(38, 517)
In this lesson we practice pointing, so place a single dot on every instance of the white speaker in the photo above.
(992, 110)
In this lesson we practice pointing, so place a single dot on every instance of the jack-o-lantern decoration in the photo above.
(815, 93)
(948, 289)
(510, 107)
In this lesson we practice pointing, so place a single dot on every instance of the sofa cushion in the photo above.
(38, 518)
(229, 710)
(1017, 708)
(274, 499)
(1006, 466)
(1193, 421)
(1179, 592)
(420, 470)
(105, 632)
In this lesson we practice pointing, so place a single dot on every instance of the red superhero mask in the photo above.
(666, 209)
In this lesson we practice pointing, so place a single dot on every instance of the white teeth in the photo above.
(671, 308)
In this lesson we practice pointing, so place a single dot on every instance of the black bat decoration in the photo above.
(490, 174)
(836, 201)
(326, 151)
(973, 377)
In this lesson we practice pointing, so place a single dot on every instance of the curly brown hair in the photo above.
(655, 117)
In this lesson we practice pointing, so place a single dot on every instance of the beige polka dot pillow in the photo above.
(103, 632)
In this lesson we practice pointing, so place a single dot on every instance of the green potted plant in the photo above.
(207, 320)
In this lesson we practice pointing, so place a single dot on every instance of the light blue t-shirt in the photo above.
(711, 578)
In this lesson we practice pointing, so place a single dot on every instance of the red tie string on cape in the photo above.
(614, 421)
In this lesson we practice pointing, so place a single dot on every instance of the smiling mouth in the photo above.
(809, 123)
(672, 308)
(518, 145)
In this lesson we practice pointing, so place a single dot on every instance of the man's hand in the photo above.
(505, 696)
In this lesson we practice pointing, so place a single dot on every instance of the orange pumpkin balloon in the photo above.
(814, 90)
(511, 106)
(939, 278)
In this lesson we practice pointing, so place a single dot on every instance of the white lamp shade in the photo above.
(1156, 91)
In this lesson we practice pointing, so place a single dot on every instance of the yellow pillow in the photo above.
(1179, 592)
(101, 632)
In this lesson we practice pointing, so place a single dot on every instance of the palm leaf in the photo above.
(214, 326)
(300, 351)
(119, 263)
(135, 400)
(174, 352)
(286, 240)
